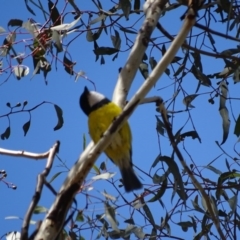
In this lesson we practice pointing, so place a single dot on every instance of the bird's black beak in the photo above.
(86, 91)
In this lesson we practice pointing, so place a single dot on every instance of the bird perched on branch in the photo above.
(101, 113)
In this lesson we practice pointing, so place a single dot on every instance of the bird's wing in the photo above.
(116, 142)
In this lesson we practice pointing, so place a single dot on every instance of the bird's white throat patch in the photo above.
(95, 97)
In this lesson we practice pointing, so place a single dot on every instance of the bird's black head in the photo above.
(90, 100)
(84, 102)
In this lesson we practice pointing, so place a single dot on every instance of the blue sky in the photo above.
(64, 91)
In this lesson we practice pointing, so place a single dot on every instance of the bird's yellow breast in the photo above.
(99, 120)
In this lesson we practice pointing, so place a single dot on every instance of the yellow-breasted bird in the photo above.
(101, 113)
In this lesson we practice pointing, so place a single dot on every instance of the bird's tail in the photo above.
(130, 180)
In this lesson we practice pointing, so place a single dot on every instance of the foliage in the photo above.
(112, 31)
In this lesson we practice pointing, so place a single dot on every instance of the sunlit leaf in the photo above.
(104, 176)
(143, 67)
(20, 71)
(108, 196)
(13, 236)
(2, 30)
(222, 178)
(55, 176)
(40, 209)
(110, 215)
(116, 40)
(66, 26)
(233, 201)
(80, 217)
(236, 75)
(98, 19)
(213, 169)
(57, 41)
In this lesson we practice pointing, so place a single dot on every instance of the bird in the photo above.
(101, 113)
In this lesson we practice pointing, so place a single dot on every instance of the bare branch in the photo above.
(40, 182)
(153, 11)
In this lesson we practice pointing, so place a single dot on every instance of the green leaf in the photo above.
(192, 134)
(15, 23)
(197, 60)
(152, 62)
(160, 192)
(59, 116)
(173, 167)
(222, 178)
(127, 30)
(26, 127)
(105, 51)
(213, 169)
(84, 141)
(188, 99)
(160, 126)
(204, 80)
(196, 205)
(55, 176)
(54, 14)
(233, 202)
(137, 4)
(180, 69)
(125, 5)
(68, 65)
(130, 221)
(176, 59)
(185, 225)
(153, 234)
(96, 169)
(110, 215)
(6, 134)
(116, 40)
(237, 127)
(143, 68)
(230, 51)
(79, 217)
(225, 123)
(149, 214)
(28, 8)
(102, 220)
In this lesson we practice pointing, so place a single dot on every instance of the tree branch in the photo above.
(54, 220)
